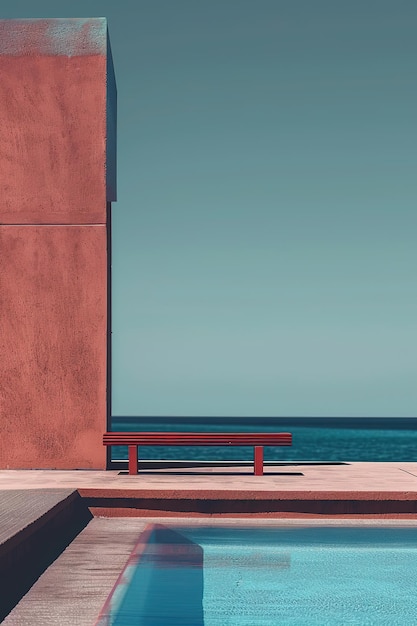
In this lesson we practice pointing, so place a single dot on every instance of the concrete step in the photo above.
(35, 527)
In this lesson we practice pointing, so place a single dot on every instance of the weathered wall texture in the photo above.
(53, 320)
(54, 299)
(52, 148)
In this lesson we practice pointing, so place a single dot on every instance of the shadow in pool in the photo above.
(166, 588)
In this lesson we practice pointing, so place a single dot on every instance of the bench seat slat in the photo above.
(198, 439)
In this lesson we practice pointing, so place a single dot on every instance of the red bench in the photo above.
(257, 440)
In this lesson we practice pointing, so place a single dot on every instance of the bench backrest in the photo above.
(197, 439)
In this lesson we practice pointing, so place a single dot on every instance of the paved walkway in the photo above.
(349, 477)
(18, 511)
(74, 588)
(303, 488)
(36, 525)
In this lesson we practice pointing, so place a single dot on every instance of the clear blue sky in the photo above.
(264, 237)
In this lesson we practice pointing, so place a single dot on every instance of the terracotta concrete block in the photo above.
(58, 121)
(57, 180)
(53, 346)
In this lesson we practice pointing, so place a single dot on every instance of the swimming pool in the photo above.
(304, 576)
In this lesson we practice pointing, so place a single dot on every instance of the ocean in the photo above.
(314, 439)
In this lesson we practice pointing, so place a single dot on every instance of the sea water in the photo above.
(314, 439)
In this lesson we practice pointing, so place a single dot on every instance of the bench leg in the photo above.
(258, 460)
(133, 459)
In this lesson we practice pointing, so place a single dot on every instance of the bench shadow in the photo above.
(202, 473)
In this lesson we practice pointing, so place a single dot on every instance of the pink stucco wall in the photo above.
(55, 166)
(53, 240)
(53, 345)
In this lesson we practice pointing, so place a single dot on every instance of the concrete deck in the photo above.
(35, 527)
(42, 509)
(301, 476)
(292, 489)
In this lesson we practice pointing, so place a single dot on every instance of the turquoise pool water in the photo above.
(308, 576)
